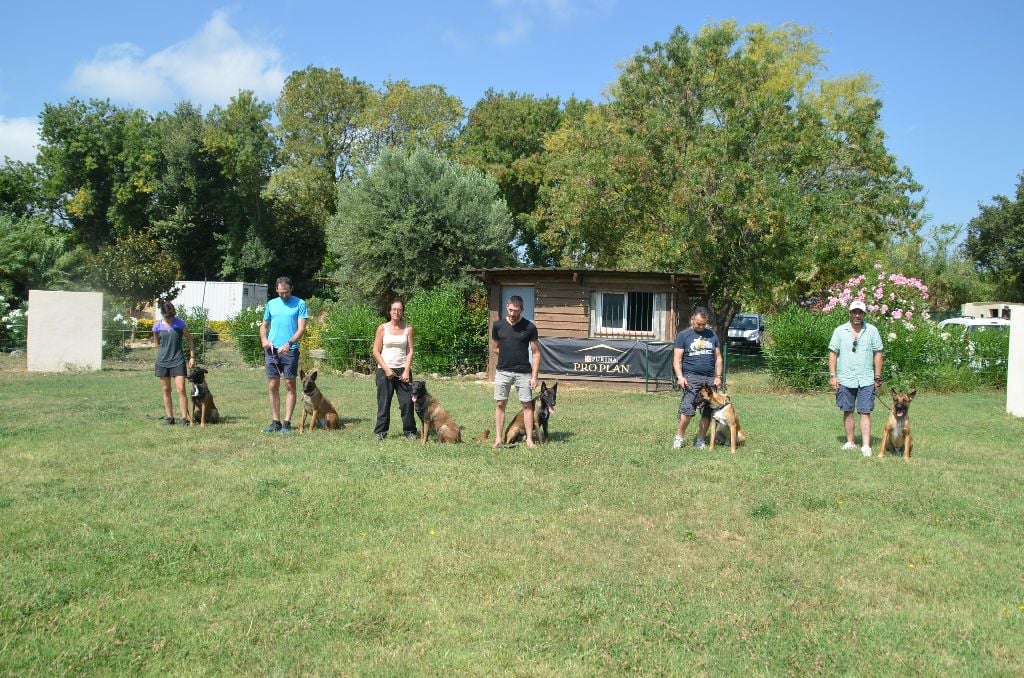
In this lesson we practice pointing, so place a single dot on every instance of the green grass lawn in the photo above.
(130, 547)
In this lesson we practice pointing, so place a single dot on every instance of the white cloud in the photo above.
(518, 17)
(207, 68)
(19, 138)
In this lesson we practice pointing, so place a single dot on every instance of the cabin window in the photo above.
(627, 314)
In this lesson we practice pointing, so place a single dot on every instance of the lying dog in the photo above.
(315, 404)
(897, 428)
(722, 412)
(432, 415)
(203, 408)
(543, 408)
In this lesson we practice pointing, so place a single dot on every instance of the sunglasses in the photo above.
(855, 344)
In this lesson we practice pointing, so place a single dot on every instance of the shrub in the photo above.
(347, 337)
(195, 319)
(144, 327)
(888, 296)
(220, 328)
(451, 332)
(244, 328)
(796, 348)
(13, 325)
(117, 330)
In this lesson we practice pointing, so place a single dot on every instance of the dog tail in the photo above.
(483, 436)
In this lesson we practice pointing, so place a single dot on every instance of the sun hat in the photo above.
(857, 304)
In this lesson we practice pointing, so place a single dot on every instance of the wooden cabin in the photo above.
(600, 316)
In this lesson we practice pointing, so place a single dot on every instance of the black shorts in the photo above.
(176, 371)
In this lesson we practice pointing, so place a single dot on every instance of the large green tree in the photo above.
(414, 220)
(319, 117)
(238, 136)
(504, 136)
(423, 116)
(189, 193)
(728, 155)
(21, 189)
(995, 240)
(35, 254)
(98, 163)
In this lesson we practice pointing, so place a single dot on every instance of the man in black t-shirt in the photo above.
(512, 337)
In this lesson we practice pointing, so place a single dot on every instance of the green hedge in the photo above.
(244, 328)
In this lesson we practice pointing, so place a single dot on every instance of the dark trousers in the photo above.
(386, 390)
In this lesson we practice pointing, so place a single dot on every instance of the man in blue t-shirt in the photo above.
(696, 360)
(284, 321)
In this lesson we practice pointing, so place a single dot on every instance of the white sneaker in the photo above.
(849, 446)
(699, 443)
(678, 442)
(866, 451)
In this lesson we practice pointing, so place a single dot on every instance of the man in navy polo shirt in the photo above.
(284, 321)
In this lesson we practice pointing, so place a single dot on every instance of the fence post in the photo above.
(1015, 363)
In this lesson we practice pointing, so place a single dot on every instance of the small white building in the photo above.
(987, 309)
(222, 300)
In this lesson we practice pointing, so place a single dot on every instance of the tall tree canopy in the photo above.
(414, 220)
(98, 163)
(504, 136)
(995, 240)
(726, 155)
(424, 116)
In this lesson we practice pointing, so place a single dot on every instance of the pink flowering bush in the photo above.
(887, 295)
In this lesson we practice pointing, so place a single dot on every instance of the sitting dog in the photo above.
(432, 415)
(897, 427)
(543, 408)
(203, 409)
(316, 405)
(722, 412)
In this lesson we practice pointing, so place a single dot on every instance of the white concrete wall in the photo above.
(1015, 367)
(65, 331)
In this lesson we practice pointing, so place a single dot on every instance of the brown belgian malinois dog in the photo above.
(722, 412)
(433, 416)
(896, 433)
(316, 405)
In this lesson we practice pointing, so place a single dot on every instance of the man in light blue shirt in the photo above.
(855, 371)
(283, 324)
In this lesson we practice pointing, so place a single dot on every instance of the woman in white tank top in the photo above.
(392, 349)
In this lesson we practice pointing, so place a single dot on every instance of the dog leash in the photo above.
(879, 399)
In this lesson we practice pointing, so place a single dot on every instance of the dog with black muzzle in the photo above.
(203, 408)
(896, 433)
(315, 405)
(543, 408)
(433, 416)
(722, 412)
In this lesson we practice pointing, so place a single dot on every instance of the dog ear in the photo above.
(893, 392)
(912, 394)
(312, 375)
(302, 375)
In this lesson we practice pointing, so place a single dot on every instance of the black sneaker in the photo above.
(411, 436)
(380, 437)
(272, 427)
(167, 421)
(183, 422)
(286, 427)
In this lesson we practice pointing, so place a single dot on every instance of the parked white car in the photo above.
(747, 329)
(975, 324)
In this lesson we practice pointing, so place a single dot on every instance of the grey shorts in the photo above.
(288, 364)
(693, 384)
(503, 382)
(863, 398)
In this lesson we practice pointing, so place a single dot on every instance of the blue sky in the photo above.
(949, 74)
